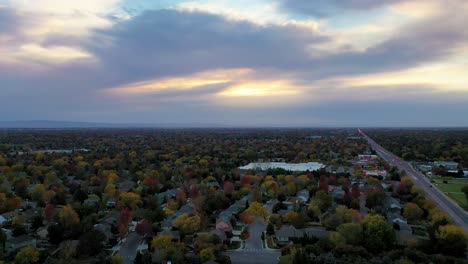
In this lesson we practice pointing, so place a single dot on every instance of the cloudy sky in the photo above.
(236, 62)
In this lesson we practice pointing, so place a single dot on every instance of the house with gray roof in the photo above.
(16, 243)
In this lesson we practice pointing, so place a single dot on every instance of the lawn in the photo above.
(453, 189)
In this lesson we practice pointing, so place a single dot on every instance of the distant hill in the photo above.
(45, 124)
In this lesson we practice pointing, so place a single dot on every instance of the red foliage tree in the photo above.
(181, 196)
(125, 218)
(246, 179)
(332, 180)
(356, 191)
(245, 218)
(150, 182)
(228, 187)
(143, 228)
(402, 189)
(323, 183)
(49, 212)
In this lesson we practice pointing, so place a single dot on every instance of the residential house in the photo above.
(303, 195)
(368, 157)
(392, 205)
(288, 232)
(2, 220)
(19, 242)
(9, 216)
(42, 233)
(336, 192)
(375, 173)
(124, 185)
(234, 209)
(162, 197)
(396, 218)
(186, 208)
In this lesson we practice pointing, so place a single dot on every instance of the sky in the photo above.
(304, 63)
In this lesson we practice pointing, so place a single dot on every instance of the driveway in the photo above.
(254, 252)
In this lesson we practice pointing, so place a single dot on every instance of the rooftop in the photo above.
(309, 166)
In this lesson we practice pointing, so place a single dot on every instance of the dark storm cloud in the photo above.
(169, 42)
(322, 8)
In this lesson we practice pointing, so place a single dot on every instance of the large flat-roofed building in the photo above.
(449, 165)
(308, 166)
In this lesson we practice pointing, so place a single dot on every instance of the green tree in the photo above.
(3, 239)
(323, 200)
(208, 254)
(464, 190)
(352, 233)
(378, 233)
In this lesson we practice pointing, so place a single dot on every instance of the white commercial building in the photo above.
(309, 166)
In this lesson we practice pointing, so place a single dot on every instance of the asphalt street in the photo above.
(459, 216)
(128, 250)
(254, 252)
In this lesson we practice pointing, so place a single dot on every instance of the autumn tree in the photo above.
(228, 188)
(186, 223)
(257, 209)
(27, 255)
(245, 218)
(378, 233)
(323, 200)
(68, 218)
(143, 228)
(452, 240)
(412, 212)
(323, 183)
(375, 198)
(38, 192)
(130, 200)
(356, 191)
(125, 218)
(439, 218)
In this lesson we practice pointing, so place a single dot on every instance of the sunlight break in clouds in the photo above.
(181, 83)
(443, 77)
(260, 89)
(235, 83)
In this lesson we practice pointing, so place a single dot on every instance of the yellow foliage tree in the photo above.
(27, 255)
(161, 242)
(68, 217)
(187, 224)
(130, 200)
(257, 209)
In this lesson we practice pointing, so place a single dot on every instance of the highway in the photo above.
(459, 216)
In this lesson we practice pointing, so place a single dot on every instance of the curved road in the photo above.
(459, 216)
